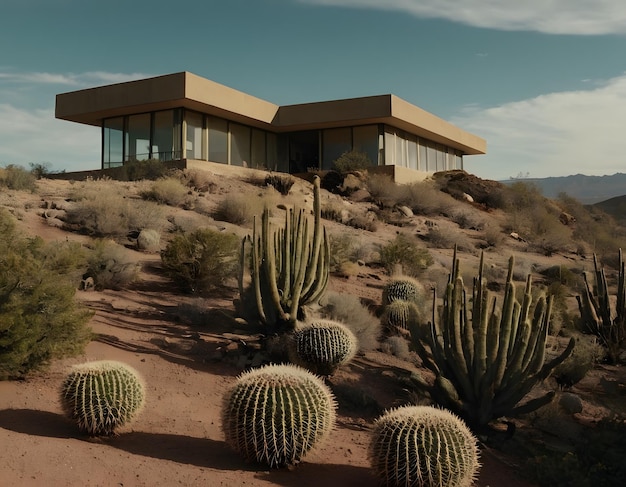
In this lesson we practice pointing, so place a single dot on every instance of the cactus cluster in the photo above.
(400, 315)
(485, 360)
(322, 346)
(595, 310)
(102, 396)
(290, 265)
(275, 414)
(422, 446)
(403, 288)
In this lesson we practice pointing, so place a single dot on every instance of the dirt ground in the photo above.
(177, 439)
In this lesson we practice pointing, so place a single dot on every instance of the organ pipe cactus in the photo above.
(102, 396)
(275, 414)
(290, 265)
(322, 346)
(422, 446)
(596, 314)
(487, 360)
(403, 288)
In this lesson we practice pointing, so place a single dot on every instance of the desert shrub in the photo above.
(39, 318)
(586, 354)
(404, 251)
(169, 191)
(383, 190)
(17, 178)
(282, 184)
(148, 240)
(349, 310)
(467, 220)
(333, 211)
(493, 235)
(396, 346)
(363, 222)
(444, 238)
(201, 260)
(425, 198)
(197, 179)
(343, 248)
(111, 266)
(101, 208)
(237, 209)
(352, 161)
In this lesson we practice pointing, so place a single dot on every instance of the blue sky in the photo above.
(544, 82)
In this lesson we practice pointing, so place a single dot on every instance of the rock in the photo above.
(149, 240)
(566, 218)
(405, 210)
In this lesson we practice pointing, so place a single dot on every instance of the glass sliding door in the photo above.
(194, 144)
(335, 142)
(365, 140)
(165, 136)
(258, 156)
(239, 145)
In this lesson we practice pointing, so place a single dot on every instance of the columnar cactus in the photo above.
(403, 288)
(322, 346)
(290, 266)
(486, 361)
(102, 396)
(275, 414)
(401, 315)
(596, 314)
(422, 446)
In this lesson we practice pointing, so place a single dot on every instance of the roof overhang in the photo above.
(92, 106)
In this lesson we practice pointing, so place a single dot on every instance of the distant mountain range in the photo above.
(586, 189)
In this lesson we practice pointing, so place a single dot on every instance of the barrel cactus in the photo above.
(275, 414)
(322, 346)
(401, 315)
(102, 396)
(422, 446)
(403, 288)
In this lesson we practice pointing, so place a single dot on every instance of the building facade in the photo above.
(183, 117)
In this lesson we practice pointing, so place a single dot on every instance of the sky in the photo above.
(543, 81)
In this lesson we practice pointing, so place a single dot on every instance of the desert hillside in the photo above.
(190, 346)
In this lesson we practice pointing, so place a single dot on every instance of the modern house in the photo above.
(190, 120)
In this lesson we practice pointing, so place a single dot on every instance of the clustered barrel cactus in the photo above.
(400, 315)
(322, 346)
(275, 414)
(102, 396)
(290, 265)
(486, 361)
(595, 310)
(422, 446)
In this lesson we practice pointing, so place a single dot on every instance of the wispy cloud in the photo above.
(579, 17)
(552, 135)
(29, 133)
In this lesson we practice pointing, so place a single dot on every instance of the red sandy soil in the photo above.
(177, 439)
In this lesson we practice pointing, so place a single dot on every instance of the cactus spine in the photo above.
(275, 414)
(400, 315)
(485, 361)
(322, 346)
(421, 446)
(102, 396)
(596, 314)
(290, 266)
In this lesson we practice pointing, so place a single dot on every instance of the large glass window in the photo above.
(335, 142)
(423, 158)
(194, 143)
(412, 151)
(138, 138)
(258, 158)
(365, 139)
(218, 140)
(166, 136)
(390, 147)
(239, 145)
(113, 142)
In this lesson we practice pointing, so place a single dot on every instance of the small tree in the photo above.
(352, 161)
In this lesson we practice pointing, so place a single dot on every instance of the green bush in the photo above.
(39, 318)
(403, 250)
(201, 260)
(151, 169)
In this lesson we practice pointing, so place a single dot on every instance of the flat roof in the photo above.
(185, 89)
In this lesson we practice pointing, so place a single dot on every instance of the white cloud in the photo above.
(557, 134)
(583, 17)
